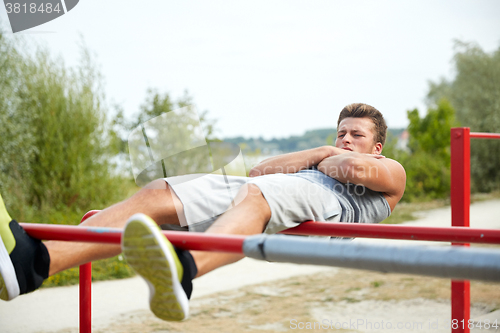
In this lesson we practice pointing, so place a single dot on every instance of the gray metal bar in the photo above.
(439, 261)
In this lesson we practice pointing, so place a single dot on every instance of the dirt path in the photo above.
(359, 301)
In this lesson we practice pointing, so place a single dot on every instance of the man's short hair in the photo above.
(361, 110)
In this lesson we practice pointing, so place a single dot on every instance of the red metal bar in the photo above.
(206, 242)
(440, 234)
(73, 233)
(232, 243)
(86, 289)
(460, 214)
(477, 135)
(183, 240)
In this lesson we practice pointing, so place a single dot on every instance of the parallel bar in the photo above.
(73, 233)
(206, 242)
(195, 241)
(460, 215)
(438, 261)
(183, 240)
(439, 234)
(477, 135)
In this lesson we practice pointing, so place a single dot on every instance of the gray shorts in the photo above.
(292, 199)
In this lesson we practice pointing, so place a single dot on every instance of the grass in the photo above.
(107, 269)
(477, 197)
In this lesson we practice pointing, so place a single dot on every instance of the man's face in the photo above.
(357, 135)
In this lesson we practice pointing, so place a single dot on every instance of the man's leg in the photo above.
(23, 258)
(170, 271)
(154, 200)
(248, 217)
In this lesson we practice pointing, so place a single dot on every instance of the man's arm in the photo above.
(372, 171)
(293, 162)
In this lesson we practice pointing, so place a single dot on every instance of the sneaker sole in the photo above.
(151, 255)
(9, 287)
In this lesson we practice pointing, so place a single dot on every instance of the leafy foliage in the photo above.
(431, 134)
(106, 269)
(54, 147)
(167, 138)
(158, 103)
(427, 161)
(474, 93)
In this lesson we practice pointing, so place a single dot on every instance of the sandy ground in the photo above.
(271, 297)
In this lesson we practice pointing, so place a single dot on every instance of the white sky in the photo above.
(272, 68)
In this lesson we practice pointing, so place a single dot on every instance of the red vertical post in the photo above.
(86, 290)
(85, 298)
(460, 213)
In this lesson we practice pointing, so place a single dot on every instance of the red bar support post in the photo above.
(460, 214)
(86, 290)
(86, 298)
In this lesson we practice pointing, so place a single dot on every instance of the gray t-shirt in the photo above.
(359, 203)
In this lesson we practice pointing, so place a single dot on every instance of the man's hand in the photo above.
(294, 162)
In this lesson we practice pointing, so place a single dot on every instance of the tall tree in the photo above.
(169, 138)
(474, 92)
(428, 162)
(54, 147)
(158, 103)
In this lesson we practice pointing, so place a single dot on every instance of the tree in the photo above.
(431, 134)
(427, 162)
(474, 92)
(157, 104)
(169, 138)
(55, 152)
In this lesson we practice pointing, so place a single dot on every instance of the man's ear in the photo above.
(377, 149)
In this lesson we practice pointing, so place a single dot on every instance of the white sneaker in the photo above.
(154, 258)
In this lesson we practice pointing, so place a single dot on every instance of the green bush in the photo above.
(106, 269)
(427, 159)
(475, 95)
(56, 143)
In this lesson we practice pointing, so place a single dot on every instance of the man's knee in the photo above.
(160, 202)
(250, 194)
(157, 184)
(254, 191)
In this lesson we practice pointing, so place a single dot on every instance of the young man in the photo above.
(351, 182)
